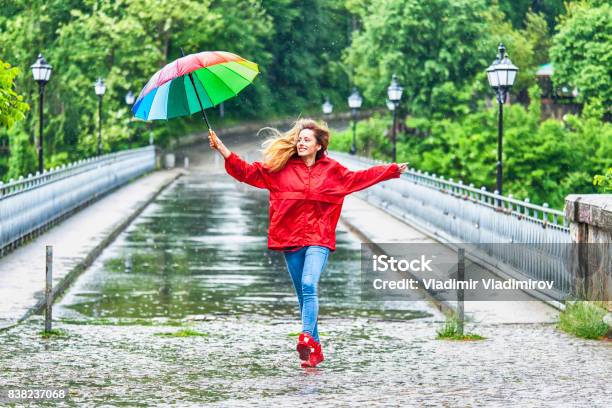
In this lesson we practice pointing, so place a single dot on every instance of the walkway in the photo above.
(76, 242)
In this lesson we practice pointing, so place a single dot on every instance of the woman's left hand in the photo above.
(403, 167)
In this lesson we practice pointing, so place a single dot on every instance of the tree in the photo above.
(23, 160)
(12, 110)
(582, 51)
(517, 10)
(428, 44)
(308, 40)
(12, 107)
(527, 47)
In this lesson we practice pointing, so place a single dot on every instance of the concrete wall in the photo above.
(590, 217)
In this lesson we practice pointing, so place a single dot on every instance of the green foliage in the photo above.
(527, 47)
(23, 159)
(306, 46)
(430, 45)
(604, 182)
(297, 46)
(583, 319)
(516, 10)
(12, 107)
(582, 51)
(371, 138)
(450, 330)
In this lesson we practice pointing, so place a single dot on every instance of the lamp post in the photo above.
(327, 107)
(100, 88)
(390, 105)
(394, 93)
(129, 100)
(501, 75)
(41, 72)
(354, 101)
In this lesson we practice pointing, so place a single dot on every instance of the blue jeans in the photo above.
(305, 267)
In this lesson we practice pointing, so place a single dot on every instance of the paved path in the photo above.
(76, 241)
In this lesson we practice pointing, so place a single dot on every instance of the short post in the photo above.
(48, 287)
(186, 163)
(460, 290)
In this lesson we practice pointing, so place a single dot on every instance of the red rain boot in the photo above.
(316, 356)
(305, 346)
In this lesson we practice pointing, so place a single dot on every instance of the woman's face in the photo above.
(307, 143)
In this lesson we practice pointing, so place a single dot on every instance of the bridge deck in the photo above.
(75, 242)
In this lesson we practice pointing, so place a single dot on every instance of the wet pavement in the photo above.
(195, 261)
(75, 241)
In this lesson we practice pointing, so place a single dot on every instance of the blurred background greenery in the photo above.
(558, 137)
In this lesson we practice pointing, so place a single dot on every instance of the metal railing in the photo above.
(31, 204)
(462, 213)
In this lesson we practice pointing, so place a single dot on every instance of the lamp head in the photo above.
(100, 87)
(41, 70)
(355, 100)
(394, 91)
(327, 107)
(129, 98)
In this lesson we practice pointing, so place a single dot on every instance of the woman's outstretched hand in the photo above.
(217, 144)
(403, 167)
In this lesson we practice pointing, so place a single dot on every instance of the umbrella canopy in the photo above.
(193, 83)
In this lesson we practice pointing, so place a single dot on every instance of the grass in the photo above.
(450, 331)
(583, 319)
(183, 333)
(54, 333)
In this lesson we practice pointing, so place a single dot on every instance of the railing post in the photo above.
(460, 290)
(48, 288)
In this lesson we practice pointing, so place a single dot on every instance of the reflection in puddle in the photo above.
(200, 248)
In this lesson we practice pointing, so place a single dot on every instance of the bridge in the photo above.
(139, 254)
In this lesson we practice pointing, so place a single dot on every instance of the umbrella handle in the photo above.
(213, 139)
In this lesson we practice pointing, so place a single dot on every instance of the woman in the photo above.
(307, 189)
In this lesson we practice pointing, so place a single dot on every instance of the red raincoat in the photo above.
(305, 202)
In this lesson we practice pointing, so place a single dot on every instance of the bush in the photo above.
(583, 319)
(604, 182)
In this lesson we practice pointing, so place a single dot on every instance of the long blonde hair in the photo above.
(280, 147)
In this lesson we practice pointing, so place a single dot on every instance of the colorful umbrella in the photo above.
(193, 83)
